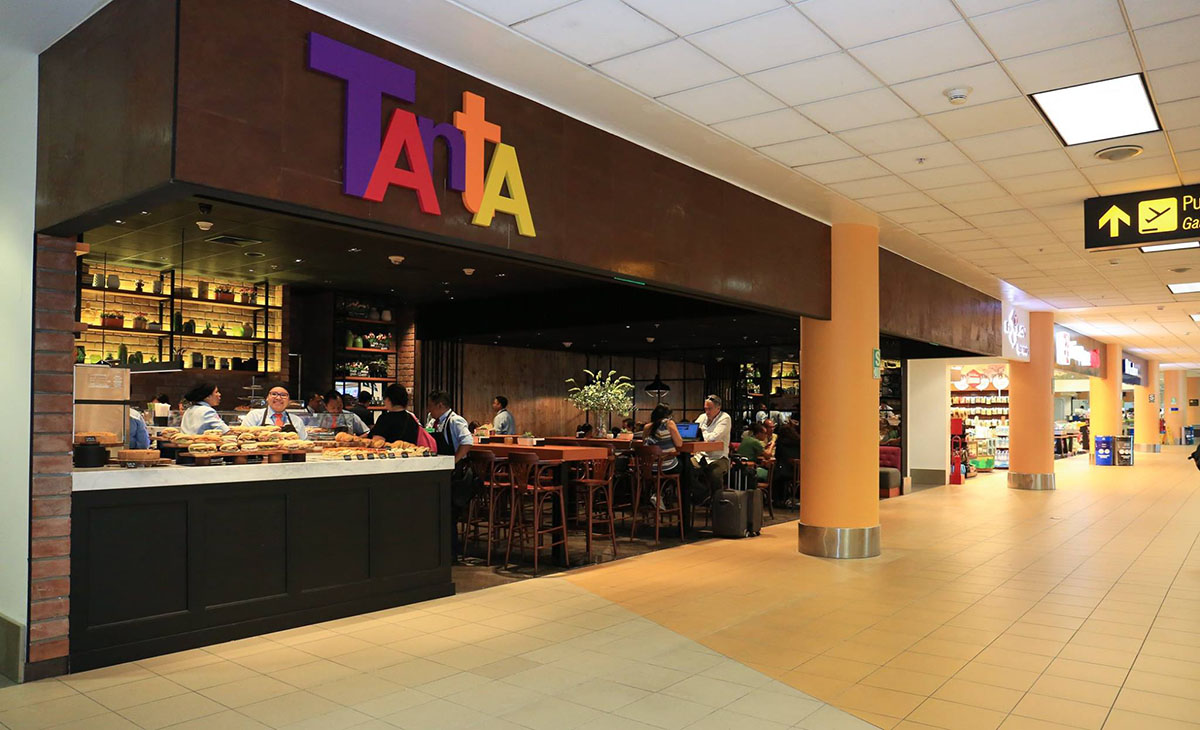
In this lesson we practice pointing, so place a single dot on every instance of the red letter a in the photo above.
(403, 137)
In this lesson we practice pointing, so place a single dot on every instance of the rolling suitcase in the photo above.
(729, 517)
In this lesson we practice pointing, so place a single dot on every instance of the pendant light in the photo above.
(657, 387)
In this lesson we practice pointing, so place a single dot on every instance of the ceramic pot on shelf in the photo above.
(202, 290)
(114, 281)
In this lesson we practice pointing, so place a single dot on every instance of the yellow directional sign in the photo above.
(1138, 219)
(1113, 218)
(1158, 216)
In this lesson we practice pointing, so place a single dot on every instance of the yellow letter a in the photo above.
(504, 171)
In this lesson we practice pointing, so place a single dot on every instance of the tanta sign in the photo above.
(1016, 333)
(373, 159)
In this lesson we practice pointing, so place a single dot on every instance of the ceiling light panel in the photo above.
(1162, 247)
(1103, 58)
(924, 53)
(764, 41)
(825, 77)
(859, 22)
(858, 110)
(691, 16)
(1099, 110)
(722, 101)
(666, 68)
(591, 31)
(1034, 27)
(1191, 287)
(782, 125)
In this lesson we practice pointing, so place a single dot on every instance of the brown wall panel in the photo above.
(921, 304)
(105, 110)
(255, 120)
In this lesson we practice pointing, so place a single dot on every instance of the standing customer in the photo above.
(396, 423)
(715, 425)
(449, 429)
(360, 408)
(504, 423)
(202, 415)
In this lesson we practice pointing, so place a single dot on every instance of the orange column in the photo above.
(1174, 403)
(1031, 409)
(1192, 417)
(1105, 396)
(1145, 411)
(839, 406)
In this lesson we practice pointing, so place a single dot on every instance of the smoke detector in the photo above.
(1119, 152)
(958, 95)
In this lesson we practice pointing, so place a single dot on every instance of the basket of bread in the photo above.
(239, 443)
(348, 447)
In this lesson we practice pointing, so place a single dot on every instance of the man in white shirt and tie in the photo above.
(275, 414)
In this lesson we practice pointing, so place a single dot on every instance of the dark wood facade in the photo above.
(923, 305)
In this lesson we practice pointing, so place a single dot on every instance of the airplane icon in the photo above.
(1158, 216)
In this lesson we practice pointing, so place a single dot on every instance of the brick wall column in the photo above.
(50, 500)
(406, 357)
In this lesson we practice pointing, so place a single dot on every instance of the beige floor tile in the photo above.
(976, 694)
(1163, 684)
(1017, 722)
(1185, 709)
(437, 715)
(846, 670)
(31, 693)
(927, 663)
(1079, 690)
(414, 672)
(273, 660)
(376, 657)
(111, 721)
(51, 712)
(340, 719)
(1120, 719)
(995, 676)
(823, 688)
(210, 674)
(1099, 673)
(314, 673)
(173, 710)
(288, 709)
(1062, 711)
(954, 716)
(1094, 655)
(98, 679)
(888, 702)
(904, 680)
(247, 691)
(138, 692)
(1014, 659)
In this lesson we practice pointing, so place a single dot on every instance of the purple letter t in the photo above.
(368, 77)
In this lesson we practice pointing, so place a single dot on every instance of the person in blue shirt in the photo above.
(450, 430)
(202, 415)
(503, 423)
(139, 437)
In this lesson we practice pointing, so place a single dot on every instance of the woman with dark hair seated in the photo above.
(662, 432)
(202, 415)
(396, 423)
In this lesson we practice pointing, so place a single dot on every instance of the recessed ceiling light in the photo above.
(1189, 288)
(353, 250)
(1170, 246)
(1100, 110)
(118, 221)
(1119, 152)
(254, 254)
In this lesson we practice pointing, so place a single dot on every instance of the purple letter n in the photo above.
(368, 78)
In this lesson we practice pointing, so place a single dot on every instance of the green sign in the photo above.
(1153, 216)
(876, 362)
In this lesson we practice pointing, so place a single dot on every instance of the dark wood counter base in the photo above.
(162, 569)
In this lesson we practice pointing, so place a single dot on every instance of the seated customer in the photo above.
(662, 432)
(396, 423)
(583, 431)
(752, 447)
(336, 418)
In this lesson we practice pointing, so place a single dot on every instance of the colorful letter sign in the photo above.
(374, 162)
(1016, 332)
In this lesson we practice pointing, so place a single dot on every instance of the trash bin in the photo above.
(1123, 450)
(1104, 450)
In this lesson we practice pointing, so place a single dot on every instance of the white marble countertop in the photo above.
(171, 476)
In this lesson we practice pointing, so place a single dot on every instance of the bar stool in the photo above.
(650, 476)
(487, 507)
(794, 485)
(597, 480)
(526, 473)
(769, 465)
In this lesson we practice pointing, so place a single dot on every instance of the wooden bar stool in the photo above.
(765, 486)
(489, 506)
(597, 481)
(526, 472)
(651, 478)
(794, 485)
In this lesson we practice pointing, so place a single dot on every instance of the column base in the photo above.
(1034, 482)
(1148, 448)
(839, 542)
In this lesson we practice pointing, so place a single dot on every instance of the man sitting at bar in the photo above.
(275, 414)
(752, 447)
(336, 418)
(449, 429)
(715, 426)
(504, 424)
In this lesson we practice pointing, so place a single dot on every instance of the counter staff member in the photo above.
(450, 430)
(504, 423)
(202, 415)
(336, 418)
(275, 414)
(715, 426)
(361, 408)
(397, 423)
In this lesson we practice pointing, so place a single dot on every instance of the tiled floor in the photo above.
(990, 608)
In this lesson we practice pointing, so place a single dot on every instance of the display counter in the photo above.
(170, 558)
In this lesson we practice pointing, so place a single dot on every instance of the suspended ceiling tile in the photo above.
(1103, 58)
(973, 121)
(1137, 185)
(925, 157)
(1045, 181)
(925, 213)
(813, 150)
(1154, 144)
(946, 176)
(1179, 114)
(858, 110)
(1036, 138)
(987, 82)
(891, 136)
(691, 16)
(972, 8)
(1186, 139)
(513, 11)
(593, 30)
(664, 69)
(1038, 26)
(764, 41)
(803, 82)
(884, 203)
(1138, 167)
(1033, 163)
(722, 101)
(868, 187)
(781, 125)
(977, 238)
(858, 22)
(1002, 218)
(856, 168)
(986, 205)
(1152, 12)
(924, 53)
(1051, 213)
(942, 226)
(1189, 160)
(972, 191)
(1063, 196)
(1176, 82)
(1170, 44)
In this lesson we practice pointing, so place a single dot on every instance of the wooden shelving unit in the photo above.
(352, 320)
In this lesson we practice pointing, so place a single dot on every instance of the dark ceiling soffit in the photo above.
(177, 190)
